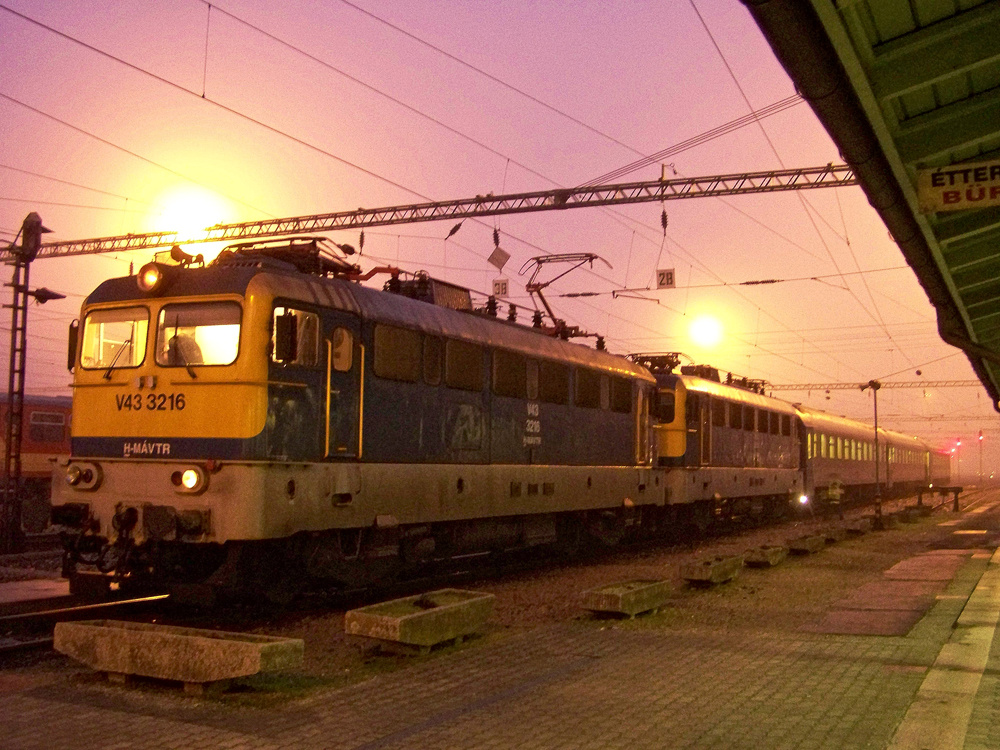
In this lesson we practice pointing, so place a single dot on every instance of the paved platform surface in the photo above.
(577, 685)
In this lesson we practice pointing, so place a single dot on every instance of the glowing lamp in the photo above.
(150, 278)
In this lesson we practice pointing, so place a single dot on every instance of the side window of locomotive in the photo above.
(588, 389)
(763, 420)
(775, 423)
(433, 359)
(510, 374)
(47, 427)
(114, 338)
(306, 342)
(553, 382)
(621, 395)
(736, 416)
(822, 445)
(718, 412)
(198, 333)
(666, 407)
(748, 418)
(397, 353)
(342, 349)
(786, 425)
(531, 377)
(463, 365)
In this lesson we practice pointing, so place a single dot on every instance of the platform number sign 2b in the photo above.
(500, 287)
(665, 278)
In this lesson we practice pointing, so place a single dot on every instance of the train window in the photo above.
(822, 446)
(621, 395)
(306, 350)
(397, 353)
(47, 427)
(433, 359)
(736, 416)
(532, 379)
(718, 412)
(510, 374)
(553, 382)
(786, 425)
(114, 338)
(666, 407)
(198, 333)
(748, 418)
(763, 421)
(463, 365)
(342, 349)
(588, 389)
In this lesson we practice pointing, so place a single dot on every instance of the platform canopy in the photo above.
(909, 90)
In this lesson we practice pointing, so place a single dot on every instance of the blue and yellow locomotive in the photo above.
(267, 419)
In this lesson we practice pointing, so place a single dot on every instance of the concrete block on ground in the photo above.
(628, 598)
(906, 515)
(422, 621)
(766, 556)
(806, 545)
(189, 655)
(709, 572)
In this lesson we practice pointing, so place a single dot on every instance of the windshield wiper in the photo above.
(114, 361)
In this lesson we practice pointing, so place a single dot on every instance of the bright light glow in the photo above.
(705, 331)
(803, 499)
(190, 478)
(189, 210)
(149, 276)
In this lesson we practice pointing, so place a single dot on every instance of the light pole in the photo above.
(875, 385)
(958, 455)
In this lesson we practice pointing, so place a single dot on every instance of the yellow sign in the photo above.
(959, 187)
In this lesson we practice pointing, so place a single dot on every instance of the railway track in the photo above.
(29, 624)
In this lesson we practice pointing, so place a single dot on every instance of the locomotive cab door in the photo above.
(344, 383)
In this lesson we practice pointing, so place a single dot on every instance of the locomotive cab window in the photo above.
(198, 333)
(114, 338)
(666, 407)
(295, 339)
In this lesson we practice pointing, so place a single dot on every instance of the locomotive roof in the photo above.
(384, 307)
(371, 304)
(732, 393)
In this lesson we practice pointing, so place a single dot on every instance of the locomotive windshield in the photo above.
(114, 338)
(198, 333)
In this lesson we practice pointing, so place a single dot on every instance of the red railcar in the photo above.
(45, 436)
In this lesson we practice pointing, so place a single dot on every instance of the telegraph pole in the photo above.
(11, 536)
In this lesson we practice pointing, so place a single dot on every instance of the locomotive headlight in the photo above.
(83, 476)
(73, 475)
(150, 277)
(803, 499)
(191, 480)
